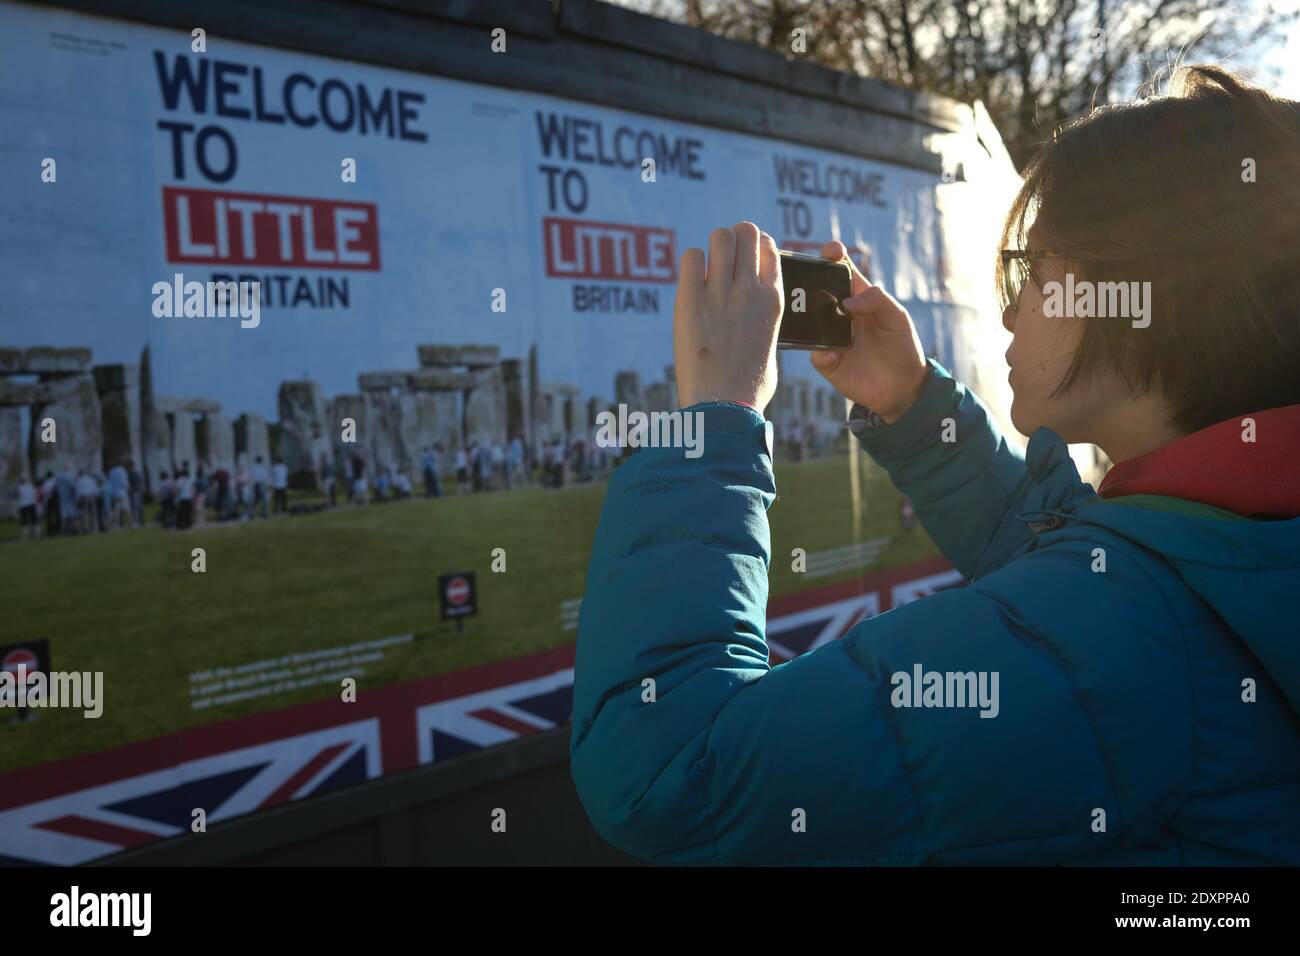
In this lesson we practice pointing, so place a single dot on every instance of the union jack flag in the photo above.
(73, 811)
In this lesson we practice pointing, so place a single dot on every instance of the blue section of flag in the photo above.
(175, 806)
(796, 639)
(349, 773)
(445, 745)
(555, 706)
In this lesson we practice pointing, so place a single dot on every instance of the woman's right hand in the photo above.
(885, 368)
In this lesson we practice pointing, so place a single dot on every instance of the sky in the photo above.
(1285, 56)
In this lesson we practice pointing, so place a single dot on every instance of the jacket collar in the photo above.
(1246, 465)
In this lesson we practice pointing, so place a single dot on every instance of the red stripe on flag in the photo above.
(291, 786)
(98, 830)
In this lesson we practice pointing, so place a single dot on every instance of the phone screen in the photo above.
(814, 288)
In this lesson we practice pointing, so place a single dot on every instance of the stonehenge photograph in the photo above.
(61, 413)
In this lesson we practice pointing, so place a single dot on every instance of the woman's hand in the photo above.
(885, 368)
(726, 319)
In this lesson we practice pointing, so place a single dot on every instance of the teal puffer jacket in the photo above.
(1123, 729)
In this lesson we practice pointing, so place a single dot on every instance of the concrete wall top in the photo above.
(593, 52)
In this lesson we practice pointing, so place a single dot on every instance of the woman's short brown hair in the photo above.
(1196, 191)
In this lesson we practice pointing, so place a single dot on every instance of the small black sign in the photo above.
(457, 595)
(34, 656)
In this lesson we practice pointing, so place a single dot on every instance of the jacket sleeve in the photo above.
(688, 748)
(949, 457)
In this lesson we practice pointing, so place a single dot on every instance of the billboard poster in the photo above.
(287, 338)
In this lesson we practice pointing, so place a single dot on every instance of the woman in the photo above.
(1140, 642)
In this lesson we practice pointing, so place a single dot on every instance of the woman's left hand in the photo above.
(726, 319)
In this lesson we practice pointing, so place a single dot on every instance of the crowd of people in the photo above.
(65, 503)
(242, 494)
(480, 466)
(68, 503)
(85, 501)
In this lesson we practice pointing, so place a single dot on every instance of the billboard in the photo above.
(289, 339)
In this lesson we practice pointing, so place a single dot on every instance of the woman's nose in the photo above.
(1009, 319)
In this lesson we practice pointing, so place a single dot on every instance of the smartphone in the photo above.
(814, 289)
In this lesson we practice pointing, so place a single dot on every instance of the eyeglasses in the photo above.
(1017, 270)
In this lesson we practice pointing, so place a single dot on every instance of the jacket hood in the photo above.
(1247, 570)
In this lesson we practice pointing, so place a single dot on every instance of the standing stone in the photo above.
(658, 398)
(119, 401)
(275, 441)
(564, 409)
(216, 441)
(428, 419)
(449, 418)
(536, 418)
(417, 426)
(553, 405)
(184, 446)
(802, 406)
(73, 403)
(382, 419)
(517, 411)
(357, 408)
(17, 394)
(670, 379)
(13, 458)
(252, 441)
(383, 381)
(595, 405)
(156, 446)
(474, 356)
(836, 409)
(485, 408)
(432, 356)
(302, 422)
(786, 402)
(47, 360)
(155, 437)
(627, 391)
(440, 379)
(543, 416)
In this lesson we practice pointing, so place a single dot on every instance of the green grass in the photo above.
(128, 604)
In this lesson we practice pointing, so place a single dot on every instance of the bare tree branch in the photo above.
(1034, 63)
